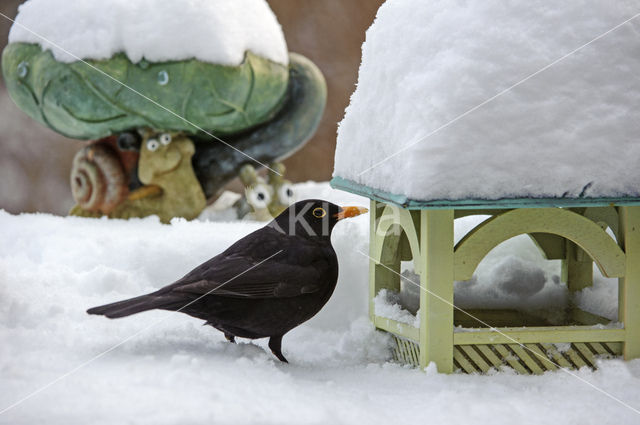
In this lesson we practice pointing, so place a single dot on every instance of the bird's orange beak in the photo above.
(346, 212)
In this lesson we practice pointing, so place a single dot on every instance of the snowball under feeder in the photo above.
(554, 157)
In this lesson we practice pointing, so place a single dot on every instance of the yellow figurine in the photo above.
(264, 199)
(170, 187)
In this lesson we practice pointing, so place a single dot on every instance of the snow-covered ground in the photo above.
(166, 368)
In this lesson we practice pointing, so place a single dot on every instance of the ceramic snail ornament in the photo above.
(166, 184)
(263, 198)
(263, 111)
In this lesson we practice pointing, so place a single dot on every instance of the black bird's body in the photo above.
(264, 285)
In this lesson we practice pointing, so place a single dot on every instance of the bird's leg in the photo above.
(230, 338)
(275, 343)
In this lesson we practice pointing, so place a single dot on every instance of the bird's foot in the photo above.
(230, 338)
(275, 343)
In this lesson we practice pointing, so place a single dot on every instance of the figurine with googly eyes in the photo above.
(167, 185)
(264, 198)
(257, 196)
(257, 109)
(283, 194)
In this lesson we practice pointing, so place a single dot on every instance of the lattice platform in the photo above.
(471, 355)
(526, 359)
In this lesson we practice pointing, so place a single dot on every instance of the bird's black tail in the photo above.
(130, 306)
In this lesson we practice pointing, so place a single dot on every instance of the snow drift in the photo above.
(166, 368)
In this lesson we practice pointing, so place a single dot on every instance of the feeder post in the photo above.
(384, 267)
(577, 268)
(436, 295)
(629, 285)
(373, 220)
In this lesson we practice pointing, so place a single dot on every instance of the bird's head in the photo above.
(313, 218)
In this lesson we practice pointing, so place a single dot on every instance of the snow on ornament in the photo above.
(526, 112)
(203, 71)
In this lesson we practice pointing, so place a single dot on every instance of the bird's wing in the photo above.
(243, 277)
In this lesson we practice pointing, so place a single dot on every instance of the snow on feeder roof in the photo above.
(214, 31)
(223, 65)
(418, 130)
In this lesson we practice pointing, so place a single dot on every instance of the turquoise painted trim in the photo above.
(470, 204)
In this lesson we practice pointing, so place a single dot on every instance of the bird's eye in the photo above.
(258, 196)
(165, 138)
(152, 144)
(319, 212)
(285, 194)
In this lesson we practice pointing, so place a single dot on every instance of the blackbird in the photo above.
(264, 285)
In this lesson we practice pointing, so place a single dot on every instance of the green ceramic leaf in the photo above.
(78, 101)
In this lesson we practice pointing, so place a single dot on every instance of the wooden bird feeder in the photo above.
(572, 230)
(449, 119)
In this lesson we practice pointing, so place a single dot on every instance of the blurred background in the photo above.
(35, 161)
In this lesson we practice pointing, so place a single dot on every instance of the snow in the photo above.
(216, 31)
(388, 304)
(412, 127)
(169, 369)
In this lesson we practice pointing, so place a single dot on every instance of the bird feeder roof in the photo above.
(474, 104)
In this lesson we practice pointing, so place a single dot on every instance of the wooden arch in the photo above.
(389, 217)
(585, 233)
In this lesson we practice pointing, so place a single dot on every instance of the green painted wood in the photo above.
(407, 351)
(511, 359)
(556, 334)
(496, 318)
(488, 353)
(614, 347)
(585, 351)
(527, 357)
(582, 317)
(404, 352)
(512, 318)
(552, 247)
(415, 353)
(396, 351)
(598, 349)
(464, 363)
(389, 227)
(576, 359)
(436, 300)
(373, 215)
(385, 268)
(465, 213)
(471, 353)
(629, 287)
(606, 349)
(604, 217)
(557, 356)
(542, 356)
(582, 231)
(427, 237)
(576, 272)
(505, 203)
(397, 328)
(387, 224)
